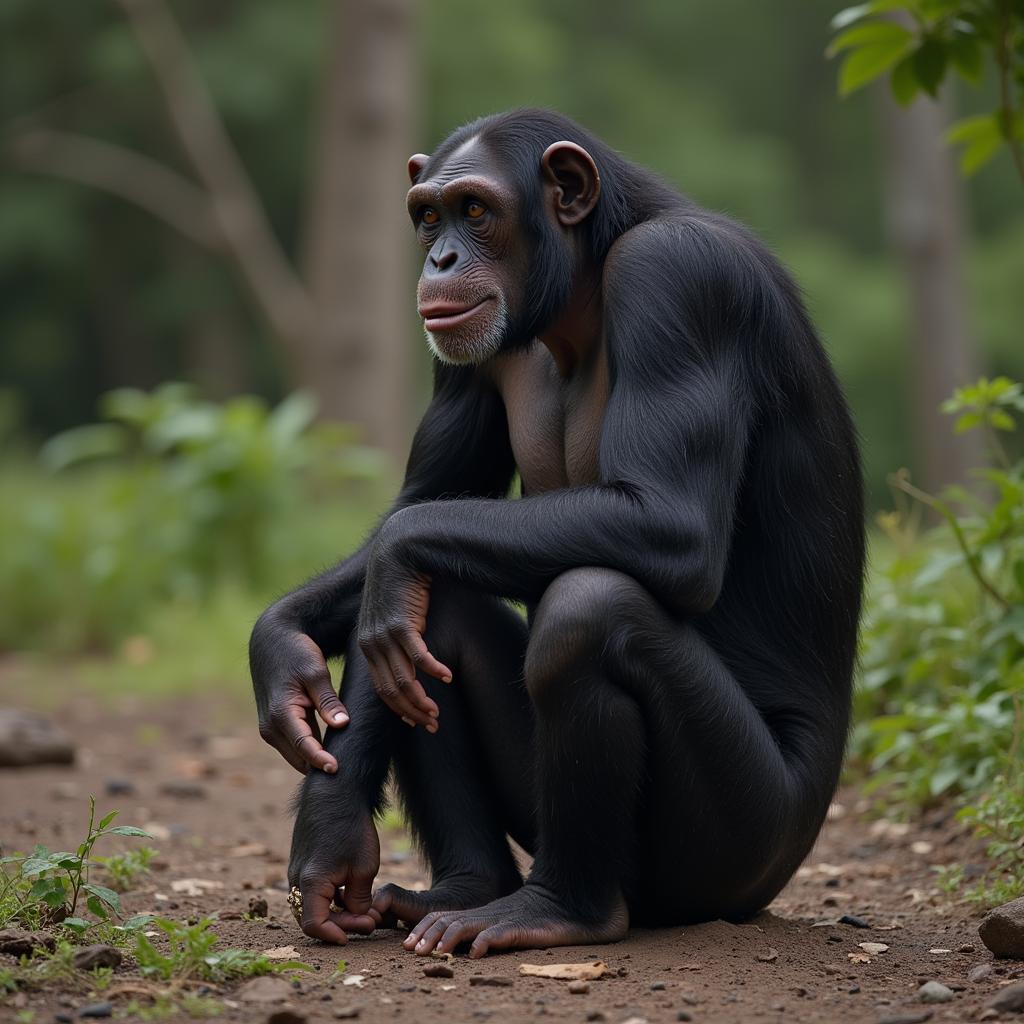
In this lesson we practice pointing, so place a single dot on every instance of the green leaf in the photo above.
(849, 15)
(866, 34)
(108, 896)
(95, 441)
(95, 905)
(77, 924)
(106, 821)
(981, 140)
(1001, 420)
(930, 64)
(54, 898)
(1018, 573)
(135, 922)
(903, 82)
(128, 830)
(965, 53)
(867, 63)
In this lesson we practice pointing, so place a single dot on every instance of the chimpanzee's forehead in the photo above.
(469, 158)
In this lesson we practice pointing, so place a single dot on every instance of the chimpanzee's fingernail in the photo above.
(341, 717)
(409, 721)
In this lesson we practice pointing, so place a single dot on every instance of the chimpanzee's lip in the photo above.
(438, 316)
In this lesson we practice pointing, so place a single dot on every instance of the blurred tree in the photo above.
(341, 331)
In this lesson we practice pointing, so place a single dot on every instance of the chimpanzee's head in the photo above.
(502, 209)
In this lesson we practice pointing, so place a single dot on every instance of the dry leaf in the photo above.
(248, 850)
(566, 972)
(873, 947)
(859, 958)
(281, 953)
(194, 886)
(355, 979)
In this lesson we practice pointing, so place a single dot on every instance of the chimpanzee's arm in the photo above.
(680, 305)
(461, 447)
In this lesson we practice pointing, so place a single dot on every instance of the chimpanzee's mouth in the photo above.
(439, 316)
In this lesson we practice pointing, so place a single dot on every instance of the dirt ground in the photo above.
(216, 799)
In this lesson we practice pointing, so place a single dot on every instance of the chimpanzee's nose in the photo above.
(443, 256)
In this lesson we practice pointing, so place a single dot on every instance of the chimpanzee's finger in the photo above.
(389, 691)
(327, 702)
(299, 733)
(403, 671)
(416, 648)
(317, 919)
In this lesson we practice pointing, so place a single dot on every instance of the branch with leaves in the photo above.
(919, 44)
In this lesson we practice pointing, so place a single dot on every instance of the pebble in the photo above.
(1002, 930)
(20, 942)
(438, 971)
(267, 989)
(934, 992)
(490, 979)
(347, 1012)
(119, 787)
(658, 986)
(104, 1009)
(1009, 999)
(965, 947)
(597, 1015)
(684, 1015)
(98, 955)
(980, 972)
(853, 921)
(580, 988)
(258, 907)
(183, 790)
(63, 1018)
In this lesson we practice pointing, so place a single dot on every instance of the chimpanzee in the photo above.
(663, 730)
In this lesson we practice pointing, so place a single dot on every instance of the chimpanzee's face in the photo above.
(471, 293)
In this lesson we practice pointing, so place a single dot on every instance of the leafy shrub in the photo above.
(942, 683)
(163, 500)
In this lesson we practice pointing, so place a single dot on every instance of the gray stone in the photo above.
(980, 972)
(21, 942)
(934, 992)
(490, 979)
(28, 739)
(98, 955)
(1002, 930)
(104, 1009)
(266, 989)
(1009, 999)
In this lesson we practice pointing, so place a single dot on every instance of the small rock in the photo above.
(20, 942)
(853, 921)
(63, 1018)
(258, 907)
(1002, 930)
(980, 972)
(965, 947)
(658, 986)
(183, 790)
(684, 1015)
(406, 988)
(119, 787)
(104, 1009)
(98, 955)
(597, 1015)
(918, 1017)
(266, 989)
(989, 1015)
(1009, 999)
(438, 971)
(29, 739)
(771, 955)
(495, 980)
(347, 1012)
(580, 988)
(635, 1020)
(934, 992)
(287, 1017)
(873, 947)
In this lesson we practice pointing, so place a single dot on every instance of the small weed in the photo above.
(45, 888)
(999, 818)
(191, 955)
(125, 869)
(58, 967)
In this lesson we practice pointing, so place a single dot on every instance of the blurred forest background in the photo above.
(216, 198)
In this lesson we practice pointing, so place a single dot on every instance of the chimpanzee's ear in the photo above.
(416, 164)
(577, 184)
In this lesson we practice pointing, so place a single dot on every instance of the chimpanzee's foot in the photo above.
(392, 903)
(530, 918)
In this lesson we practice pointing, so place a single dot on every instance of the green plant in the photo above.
(918, 42)
(46, 969)
(125, 869)
(190, 954)
(46, 888)
(942, 679)
(998, 818)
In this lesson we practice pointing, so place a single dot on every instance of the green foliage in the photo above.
(190, 955)
(126, 869)
(176, 496)
(944, 36)
(939, 702)
(46, 888)
(998, 817)
(57, 968)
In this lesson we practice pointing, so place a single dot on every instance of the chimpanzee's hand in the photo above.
(392, 621)
(332, 853)
(291, 680)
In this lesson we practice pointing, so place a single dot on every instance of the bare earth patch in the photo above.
(216, 799)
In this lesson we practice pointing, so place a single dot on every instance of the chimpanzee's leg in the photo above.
(467, 786)
(662, 792)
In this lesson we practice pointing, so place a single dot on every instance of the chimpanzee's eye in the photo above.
(429, 216)
(475, 210)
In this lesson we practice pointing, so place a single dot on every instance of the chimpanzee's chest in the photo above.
(554, 423)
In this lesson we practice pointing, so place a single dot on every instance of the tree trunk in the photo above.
(358, 363)
(925, 215)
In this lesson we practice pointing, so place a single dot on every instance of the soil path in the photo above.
(216, 799)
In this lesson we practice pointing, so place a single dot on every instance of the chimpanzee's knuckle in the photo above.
(267, 732)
